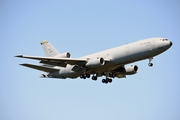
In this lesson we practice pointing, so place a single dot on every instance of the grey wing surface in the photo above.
(71, 61)
(41, 68)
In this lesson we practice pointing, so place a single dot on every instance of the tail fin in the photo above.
(49, 50)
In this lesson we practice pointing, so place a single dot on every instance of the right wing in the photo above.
(41, 68)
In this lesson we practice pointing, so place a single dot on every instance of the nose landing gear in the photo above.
(150, 64)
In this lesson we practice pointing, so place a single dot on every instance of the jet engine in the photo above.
(127, 70)
(95, 62)
(130, 70)
(64, 55)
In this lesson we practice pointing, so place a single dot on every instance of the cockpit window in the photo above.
(164, 39)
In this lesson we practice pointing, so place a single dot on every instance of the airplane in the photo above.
(110, 63)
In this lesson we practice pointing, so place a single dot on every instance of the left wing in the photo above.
(71, 61)
(41, 68)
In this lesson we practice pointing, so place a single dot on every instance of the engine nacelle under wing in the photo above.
(130, 70)
(127, 70)
(95, 62)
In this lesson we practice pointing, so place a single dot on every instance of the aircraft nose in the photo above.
(170, 43)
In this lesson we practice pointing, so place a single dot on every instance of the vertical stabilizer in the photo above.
(49, 50)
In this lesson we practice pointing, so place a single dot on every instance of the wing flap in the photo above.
(41, 68)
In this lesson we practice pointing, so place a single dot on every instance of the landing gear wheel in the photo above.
(88, 75)
(103, 80)
(106, 81)
(94, 77)
(83, 76)
(150, 64)
(110, 80)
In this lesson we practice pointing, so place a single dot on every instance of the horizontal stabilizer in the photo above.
(41, 68)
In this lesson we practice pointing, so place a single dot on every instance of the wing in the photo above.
(54, 61)
(41, 68)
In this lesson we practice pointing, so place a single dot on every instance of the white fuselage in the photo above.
(120, 56)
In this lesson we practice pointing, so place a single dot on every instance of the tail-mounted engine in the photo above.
(95, 62)
(64, 55)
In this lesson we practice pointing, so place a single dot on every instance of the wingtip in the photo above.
(24, 64)
(18, 56)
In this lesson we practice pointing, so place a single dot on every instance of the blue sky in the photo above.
(84, 27)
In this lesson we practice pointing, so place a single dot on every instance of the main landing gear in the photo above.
(150, 64)
(84, 76)
(107, 80)
(94, 77)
